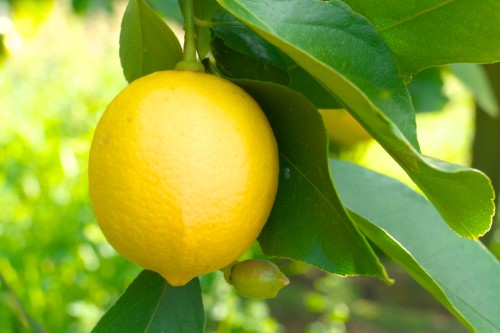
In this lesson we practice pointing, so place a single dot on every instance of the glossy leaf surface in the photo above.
(308, 222)
(345, 54)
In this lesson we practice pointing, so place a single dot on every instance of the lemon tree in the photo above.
(220, 143)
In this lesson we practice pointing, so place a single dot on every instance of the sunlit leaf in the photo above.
(344, 53)
(427, 33)
(476, 80)
(147, 44)
(458, 272)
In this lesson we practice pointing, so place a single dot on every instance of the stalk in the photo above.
(189, 60)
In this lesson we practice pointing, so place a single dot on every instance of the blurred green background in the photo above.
(59, 68)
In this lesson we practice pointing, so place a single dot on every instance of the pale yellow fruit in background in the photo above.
(183, 172)
(342, 128)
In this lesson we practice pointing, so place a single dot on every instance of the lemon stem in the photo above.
(189, 60)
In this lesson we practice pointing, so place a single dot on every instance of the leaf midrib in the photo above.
(416, 15)
(466, 303)
(316, 189)
(157, 307)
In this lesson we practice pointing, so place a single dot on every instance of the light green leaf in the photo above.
(460, 273)
(428, 33)
(151, 305)
(169, 8)
(476, 80)
(147, 44)
(343, 51)
(427, 90)
(203, 10)
(308, 222)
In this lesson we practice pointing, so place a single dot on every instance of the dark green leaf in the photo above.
(427, 33)
(243, 54)
(345, 54)
(308, 222)
(476, 80)
(238, 37)
(339, 48)
(235, 65)
(460, 273)
(147, 44)
(150, 305)
(426, 90)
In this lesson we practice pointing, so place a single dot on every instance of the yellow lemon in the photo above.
(342, 128)
(183, 173)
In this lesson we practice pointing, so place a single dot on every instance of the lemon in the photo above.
(183, 173)
(256, 278)
(342, 128)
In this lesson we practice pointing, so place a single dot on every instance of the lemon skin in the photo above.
(183, 172)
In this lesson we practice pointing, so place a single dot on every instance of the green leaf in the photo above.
(308, 222)
(427, 33)
(460, 273)
(476, 80)
(243, 40)
(151, 305)
(204, 10)
(336, 46)
(426, 90)
(147, 44)
(236, 65)
(241, 54)
(344, 53)
(169, 8)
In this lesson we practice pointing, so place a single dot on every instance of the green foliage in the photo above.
(426, 90)
(427, 33)
(352, 62)
(411, 231)
(151, 305)
(147, 44)
(474, 77)
(57, 271)
(53, 256)
(358, 87)
(307, 212)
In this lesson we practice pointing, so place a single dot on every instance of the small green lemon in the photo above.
(256, 278)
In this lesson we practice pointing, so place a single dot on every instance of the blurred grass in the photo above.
(57, 272)
(53, 88)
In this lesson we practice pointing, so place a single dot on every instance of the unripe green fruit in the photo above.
(256, 278)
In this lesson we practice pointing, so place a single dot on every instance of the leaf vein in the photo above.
(304, 176)
(417, 15)
(157, 307)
